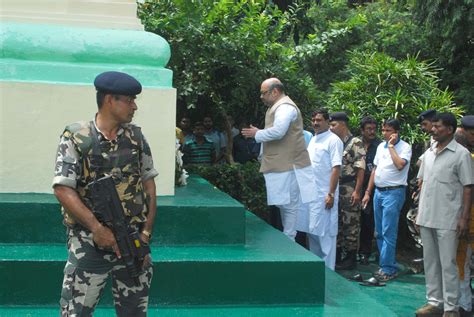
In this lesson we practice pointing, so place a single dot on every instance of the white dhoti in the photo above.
(285, 190)
(324, 247)
(320, 224)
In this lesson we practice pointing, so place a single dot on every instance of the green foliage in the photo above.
(449, 29)
(223, 50)
(384, 87)
(391, 29)
(243, 182)
(327, 53)
(380, 26)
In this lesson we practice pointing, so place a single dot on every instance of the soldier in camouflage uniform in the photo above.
(350, 187)
(126, 156)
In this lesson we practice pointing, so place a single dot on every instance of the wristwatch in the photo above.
(147, 233)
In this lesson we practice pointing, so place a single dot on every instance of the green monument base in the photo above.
(267, 275)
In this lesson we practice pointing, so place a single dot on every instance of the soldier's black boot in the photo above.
(349, 262)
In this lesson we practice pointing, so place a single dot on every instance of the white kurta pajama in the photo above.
(285, 189)
(325, 151)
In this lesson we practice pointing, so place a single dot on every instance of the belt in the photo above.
(382, 189)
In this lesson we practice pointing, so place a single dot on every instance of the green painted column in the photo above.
(52, 53)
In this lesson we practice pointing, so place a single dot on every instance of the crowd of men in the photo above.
(342, 190)
(202, 144)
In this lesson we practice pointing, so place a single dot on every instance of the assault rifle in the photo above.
(109, 211)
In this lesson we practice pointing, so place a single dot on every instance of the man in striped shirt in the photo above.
(200, 150)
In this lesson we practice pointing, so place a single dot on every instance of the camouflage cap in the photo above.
(117, 83)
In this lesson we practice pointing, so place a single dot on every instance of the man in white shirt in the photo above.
(285, 161)
(389, 177)
(319, 219)
(445, 177)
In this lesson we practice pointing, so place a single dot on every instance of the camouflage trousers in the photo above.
(85, 276)
(348, 221)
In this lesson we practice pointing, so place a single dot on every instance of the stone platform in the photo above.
(257, 271)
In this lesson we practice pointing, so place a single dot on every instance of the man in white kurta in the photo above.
(319, 218)
(285, 161)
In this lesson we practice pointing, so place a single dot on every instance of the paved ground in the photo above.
(402, 295)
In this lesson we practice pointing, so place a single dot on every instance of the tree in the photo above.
(223, 50)
(449, 28)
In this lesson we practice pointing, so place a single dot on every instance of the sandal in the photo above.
(384, 277)
(372, 282)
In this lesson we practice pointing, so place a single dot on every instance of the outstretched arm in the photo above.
(284, 115)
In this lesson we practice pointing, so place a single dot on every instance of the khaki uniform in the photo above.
(349, 216)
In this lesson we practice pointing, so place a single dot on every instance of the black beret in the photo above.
(338, 116)
(426, 115)
(117, 83)
(467, 122)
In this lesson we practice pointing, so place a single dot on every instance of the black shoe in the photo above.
(338, 256)
(364, 259)
(349, 262)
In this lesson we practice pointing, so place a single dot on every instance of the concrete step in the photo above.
(268, 270)
(343, 299)
(198, 214)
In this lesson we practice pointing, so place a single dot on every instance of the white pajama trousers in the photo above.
(324, 247)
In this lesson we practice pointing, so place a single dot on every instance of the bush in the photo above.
(242, 182)
(384, 87)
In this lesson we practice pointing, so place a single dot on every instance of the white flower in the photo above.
(182, 179)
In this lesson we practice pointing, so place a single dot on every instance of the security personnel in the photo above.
(467, 124)
(368, 130)
(125, 155)
(424, 119)
(350, 188)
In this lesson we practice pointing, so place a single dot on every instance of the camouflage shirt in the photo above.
(127, 158)
(353, 157)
